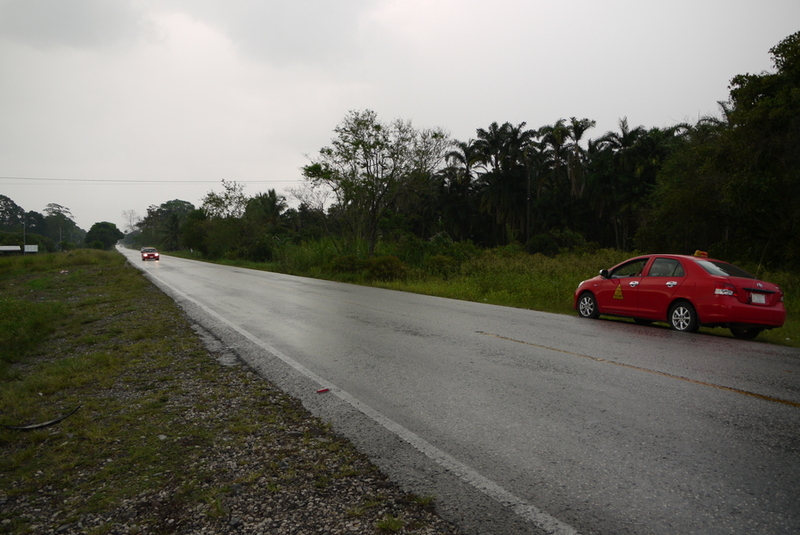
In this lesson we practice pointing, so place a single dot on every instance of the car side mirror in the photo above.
(604, 273)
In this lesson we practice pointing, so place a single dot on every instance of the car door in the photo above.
(618, 293)
(655, 290)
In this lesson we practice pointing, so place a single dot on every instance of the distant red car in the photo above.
(149, 253)
(685, 291)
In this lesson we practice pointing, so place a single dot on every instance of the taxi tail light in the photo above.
(725, 289)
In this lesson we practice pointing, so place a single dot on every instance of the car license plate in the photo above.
(759, 299)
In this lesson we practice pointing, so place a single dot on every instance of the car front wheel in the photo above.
(587, 306)
(682, 317)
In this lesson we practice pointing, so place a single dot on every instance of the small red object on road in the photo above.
(323, 390)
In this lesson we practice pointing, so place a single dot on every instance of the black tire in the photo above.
(682, 317)
(746, 334)
(587, 306)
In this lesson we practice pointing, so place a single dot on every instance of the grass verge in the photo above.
(508, 276)
(164, 439)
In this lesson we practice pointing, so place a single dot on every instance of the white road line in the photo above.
(522, 508)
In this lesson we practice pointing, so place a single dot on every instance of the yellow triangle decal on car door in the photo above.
(618, 292)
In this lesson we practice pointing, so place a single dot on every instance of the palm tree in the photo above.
(623, 189)
(490, 145)
(464, 160)
(265, 209)
(552, 183)
(505, 185)
(171, 232)
(554, 139)
(576, 158)
(620, 144)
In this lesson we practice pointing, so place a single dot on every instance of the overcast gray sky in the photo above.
(108, 106)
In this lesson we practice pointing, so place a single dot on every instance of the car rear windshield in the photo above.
(724, 269)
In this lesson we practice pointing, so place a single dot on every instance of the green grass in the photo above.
(506, 276)
(390, 524)
(155, 408)
(67, 351)
(548, 284)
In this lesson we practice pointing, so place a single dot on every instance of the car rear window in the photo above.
(724, 269)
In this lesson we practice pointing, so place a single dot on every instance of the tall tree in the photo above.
(577, 155)
(131, 218)
(230, 203)
(61, 227)
(504, 185)
(369, 164)
(734, 186)
(262, 225)
(461, 217)
(464, 159)
(265, 209)
(764, 155)
(622, 190)
(162, 225)
(105, 234)
(552, 183)
(11, 214)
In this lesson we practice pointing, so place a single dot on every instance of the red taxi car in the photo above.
(685, 291)
(149, 253)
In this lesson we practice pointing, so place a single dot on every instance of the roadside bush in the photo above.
(348, 264)
(261, 250)
(386, 268)
(462, 250)
(441, 265)
(544, 244)
(511, 250)
(408, 248)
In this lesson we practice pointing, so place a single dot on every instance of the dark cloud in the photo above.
(73, 23)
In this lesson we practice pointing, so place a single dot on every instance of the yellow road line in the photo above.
(639, 368)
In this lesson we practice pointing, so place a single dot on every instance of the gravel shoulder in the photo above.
(174, 434)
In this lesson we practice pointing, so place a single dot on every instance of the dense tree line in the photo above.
(734, 183)
(728, 184)
(53, 230)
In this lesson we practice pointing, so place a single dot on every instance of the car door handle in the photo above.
(671, 284)
(634, 284)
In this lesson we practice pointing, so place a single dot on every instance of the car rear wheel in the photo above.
(587, 306)
(682, 317)
(746, 334)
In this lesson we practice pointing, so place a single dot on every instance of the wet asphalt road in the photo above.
(519, 421)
